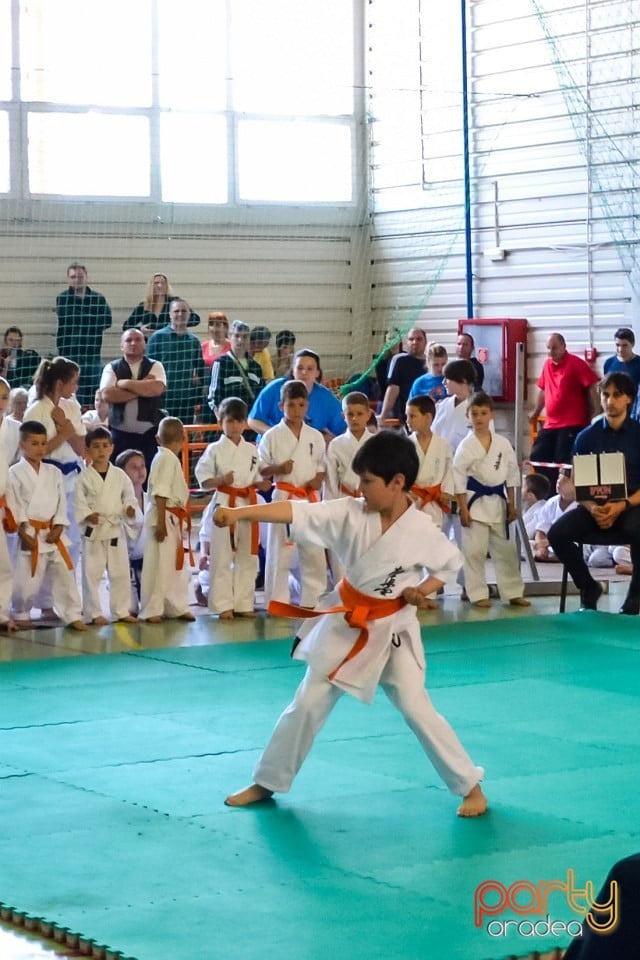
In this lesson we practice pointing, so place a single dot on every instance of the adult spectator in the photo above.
(17, 366)
(567, 390)
(259, 349)
(325, 410)
(392, 347)
(83, 316)
(285, 343)
(134, 387)
(180, 354)
(626, 361)
(465, 347)
(235, 373)
(218, 342)
(617, 521)
(403, 370)
(152, 313)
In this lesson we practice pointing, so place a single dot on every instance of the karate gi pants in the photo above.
(233, 573)
(478, 540)
(164, 591)
(403, 682)
(281, 557)
(6, 578)
(62, 582)
(99, 556)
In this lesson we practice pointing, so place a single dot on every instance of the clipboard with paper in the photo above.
(600, 476)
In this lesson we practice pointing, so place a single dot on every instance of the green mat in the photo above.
(113, 770)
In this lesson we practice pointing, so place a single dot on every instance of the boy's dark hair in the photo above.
(123, 458)
(293, 390)
(233, 408)
(98, 433)
(538, 485)
(460, 371)
(621, 381)
(480, 399)
(385, 454)
(423, 402)
(32, 428)
(622, 333)
(356, 399)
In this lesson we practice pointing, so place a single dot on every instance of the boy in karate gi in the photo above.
(36, 498)
(340, 480)
(104, 501)
(293, 454)
(433, 488)
(164, 590)
(486, 473)
(7, 525)
(230, 467)
(366, 631)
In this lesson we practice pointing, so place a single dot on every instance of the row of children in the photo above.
(479, 480)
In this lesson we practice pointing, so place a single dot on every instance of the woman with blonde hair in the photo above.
(152, 313)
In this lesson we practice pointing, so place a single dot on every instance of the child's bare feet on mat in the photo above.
(253, 794)
(474, 804)
(187, 615)
(99, 622)
(77, 625)
(8, 626)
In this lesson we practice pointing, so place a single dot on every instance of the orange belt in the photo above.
(9, 521)
(349, 492)
(184, 518)
(358, 608)
(302, 493)
(243, 493)
(431, 495)
(64, 553)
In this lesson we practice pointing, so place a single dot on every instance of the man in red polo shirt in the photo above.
(568, 391)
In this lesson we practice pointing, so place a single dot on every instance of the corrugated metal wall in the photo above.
(553, 105)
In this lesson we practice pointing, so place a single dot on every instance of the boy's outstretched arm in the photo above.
(419, 595)
(279, 512)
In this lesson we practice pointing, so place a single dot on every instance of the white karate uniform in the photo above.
(436, 466)
(308, 454)
(164, 589)
(451, 421)
(6, 567)
(379, 565)
(531, 517)
(233, 573)
(341, 481)
(104, 547)
(9, 439)
(39, 495)
(552, 511)
(488, 532)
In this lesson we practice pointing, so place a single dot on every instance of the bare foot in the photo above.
(483, 604)
(23, 624)
(474, 804)
(226, 615)
(8, 626)
(99, 621)
(253, 794)
(128, 619)
(519, 602)
(154, 619)
(187, 615)
(245, 614)
(78, 625)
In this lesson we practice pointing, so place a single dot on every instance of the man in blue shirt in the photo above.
(626, 361)
(617, 521)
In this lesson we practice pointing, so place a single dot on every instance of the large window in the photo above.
(196, 101)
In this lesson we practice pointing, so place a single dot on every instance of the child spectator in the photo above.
(104, 500)
(565, 499)
(98, 415)
(535, 491)
(432, 384)
(135, 467)
(451, 421)
(37, 500)
(18, 400)
(9, 428)
(293, 453)
(230, 466)
(433, 489)
(340, 480)
(285, 349)
(483, 465)
(259, 350)
(385, 545)
(165, 584)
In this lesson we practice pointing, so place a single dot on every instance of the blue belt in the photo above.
(484, 490)
(71, 466)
